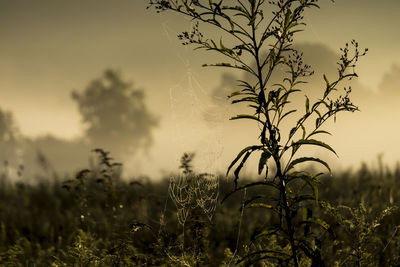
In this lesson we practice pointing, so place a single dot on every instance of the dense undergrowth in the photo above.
(100, 219)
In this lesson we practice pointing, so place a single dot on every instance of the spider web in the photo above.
(190, 103)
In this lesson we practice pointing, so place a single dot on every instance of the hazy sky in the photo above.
(48, 48)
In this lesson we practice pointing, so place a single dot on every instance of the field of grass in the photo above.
(99, 219)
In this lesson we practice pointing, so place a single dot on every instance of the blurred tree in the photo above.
(9, 137)
(115, 115)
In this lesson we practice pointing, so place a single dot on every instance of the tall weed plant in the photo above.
(292, 238)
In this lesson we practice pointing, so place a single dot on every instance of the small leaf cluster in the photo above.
(361, 247)
(106, 174)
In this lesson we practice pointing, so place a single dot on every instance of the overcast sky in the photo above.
(48, 48)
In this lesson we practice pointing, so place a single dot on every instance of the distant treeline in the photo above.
(114, 115)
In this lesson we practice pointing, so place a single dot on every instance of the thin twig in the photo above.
(391, 238)
(240, 226)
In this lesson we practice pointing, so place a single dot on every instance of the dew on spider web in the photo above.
(197, 121)
(189, 102)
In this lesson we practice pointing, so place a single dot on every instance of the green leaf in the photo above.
(316, 221)
(266, 232)
(263, 160)
(244, 84)
(287, 17)
(234, 94)
(305, 159)
(252, 198)
(260, 205)
(265, 183)
(252, 20)
(316, 104)
(318, 113)
(314, 142)
(244, 116)
(293, 24)
(307, 105)
(304, 130)
(317, 122)
(221, 44)
(291, 91)
(280, 85)
(214, 44)
(286, 114)
(240, 155)
(292, 132)
(319, 132)
(238, 168)
(223, 64)
(326, 81)
(246, 99)
(312, 182)
(304, 197)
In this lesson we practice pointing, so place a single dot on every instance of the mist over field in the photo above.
(50, 50)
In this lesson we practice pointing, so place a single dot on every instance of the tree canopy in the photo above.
(115, 114)
(8, 136)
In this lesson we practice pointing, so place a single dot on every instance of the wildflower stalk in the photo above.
(251, 35)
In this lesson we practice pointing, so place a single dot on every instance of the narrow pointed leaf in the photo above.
(263, 160)
(305, 159)
(240, 155)
(304, 131)
(319, 132)
(292, 132)
(316, 221)
(265, 183)
(234, 94)
(244, 116)
(238, 168)
(314, 142)
(287, 113)
(307, 105)
(326, 81)
(265, 232)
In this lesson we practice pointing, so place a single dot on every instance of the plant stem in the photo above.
(288, 217)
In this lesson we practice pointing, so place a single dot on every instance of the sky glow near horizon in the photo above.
(49, 48)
